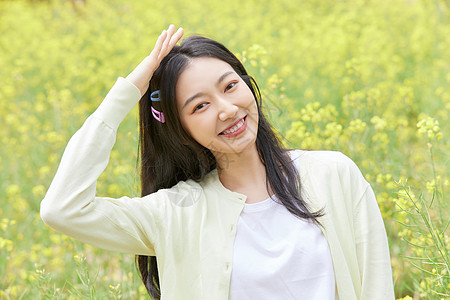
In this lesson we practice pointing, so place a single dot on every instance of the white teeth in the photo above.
(236, 127)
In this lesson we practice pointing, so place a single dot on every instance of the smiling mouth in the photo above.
(236, 128)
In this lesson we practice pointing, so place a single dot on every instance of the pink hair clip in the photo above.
(158, 115)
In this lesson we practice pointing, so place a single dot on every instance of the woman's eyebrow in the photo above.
(224, 75)
(199, 94)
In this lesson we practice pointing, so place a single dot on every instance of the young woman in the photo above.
(226, 212)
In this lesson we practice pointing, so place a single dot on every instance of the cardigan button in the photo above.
(227, 266)
(232, 227)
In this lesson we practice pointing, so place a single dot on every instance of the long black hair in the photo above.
(168, 154)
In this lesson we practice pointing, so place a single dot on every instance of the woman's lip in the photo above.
(238, 131)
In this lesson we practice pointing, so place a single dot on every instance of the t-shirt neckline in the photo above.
(260, 206)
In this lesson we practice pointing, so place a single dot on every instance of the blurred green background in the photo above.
(368, 78)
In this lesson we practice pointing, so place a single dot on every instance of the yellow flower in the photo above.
(13, 190)
(357, 125)
(44, 171)
(429, 126)
(114, 189)
(38, 190)
(79, 259)
(4, 223)
(378, 122)
(6, 244)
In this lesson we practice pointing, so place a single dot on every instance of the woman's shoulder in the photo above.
(321, 158)
(329, 174)
(325, 163)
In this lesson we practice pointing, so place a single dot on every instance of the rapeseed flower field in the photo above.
(368, 78)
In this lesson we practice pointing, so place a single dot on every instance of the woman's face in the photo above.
(216, 106)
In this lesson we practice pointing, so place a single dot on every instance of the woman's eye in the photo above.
(200, 106)
(231, 85)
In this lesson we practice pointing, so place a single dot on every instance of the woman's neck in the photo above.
(243, 173)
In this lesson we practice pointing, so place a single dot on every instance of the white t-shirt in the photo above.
(279, 256)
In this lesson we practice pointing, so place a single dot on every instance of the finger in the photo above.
(158, 45)
(170, 32)
(172, 38)
(171, 26)
(160, 41)
(151, 61)
(175, 38)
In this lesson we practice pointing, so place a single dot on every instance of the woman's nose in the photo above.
(227, 110)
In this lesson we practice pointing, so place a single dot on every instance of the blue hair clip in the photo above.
(158, 115)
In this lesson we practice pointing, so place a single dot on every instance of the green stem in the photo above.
(426, 218)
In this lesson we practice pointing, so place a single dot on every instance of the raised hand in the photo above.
(142, 74)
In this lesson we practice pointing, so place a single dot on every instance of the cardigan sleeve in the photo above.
(371, 243)
(372, 249)
(71, 206)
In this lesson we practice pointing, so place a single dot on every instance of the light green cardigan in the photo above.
(191, 227)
